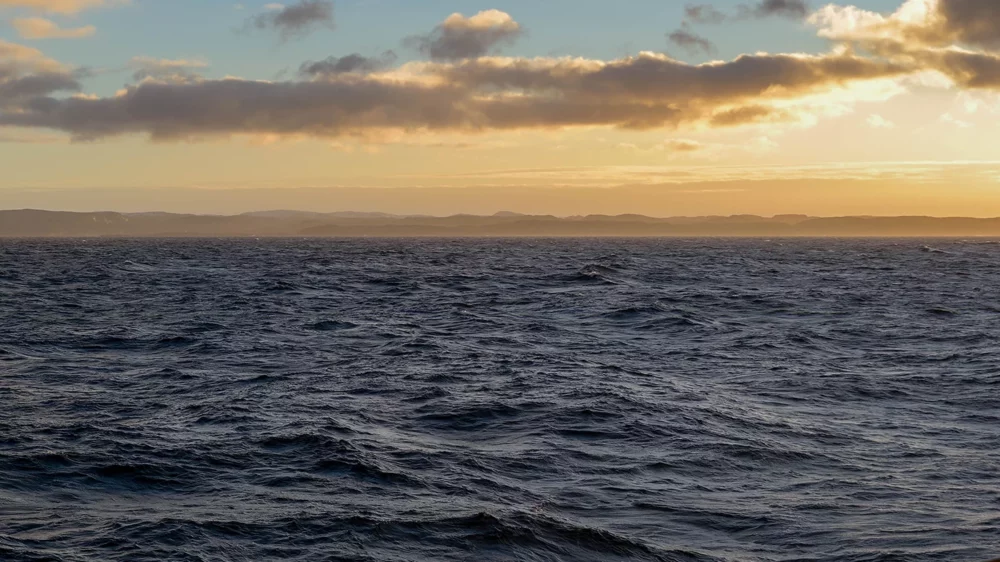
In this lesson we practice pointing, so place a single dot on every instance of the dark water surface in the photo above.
(536, 400)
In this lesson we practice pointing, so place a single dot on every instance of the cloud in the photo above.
(463, 90)
(952, 37)
(931, 23)
(753, 113)
(20, 59)
(27, 78)
(41, 28)
(969, 70)
(703, 13)
(459, 37)
(32, 88)
(347, 64)
(58, 6)
(167, 70)
(296, 20)
(673, 147)
(681, 145)
(791, 9)
(30, 137)
(878, 122)
(952, 120)
(475, 95)
(657, 79)
(692, 43)
(850, 23)
(708, 14)
(974, 22)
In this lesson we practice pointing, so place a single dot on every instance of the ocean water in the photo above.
(499, 400)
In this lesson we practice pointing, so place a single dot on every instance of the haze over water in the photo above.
(549, 400)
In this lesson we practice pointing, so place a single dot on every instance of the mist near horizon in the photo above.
(812, 197)
(503, 224)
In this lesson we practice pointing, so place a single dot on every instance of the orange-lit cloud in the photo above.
(956, 38)
(18, 59)
(58, 6)
(166, 70)
(463, 91)
(934, 23)
(41, 28)
(460, 37)
(27, 77)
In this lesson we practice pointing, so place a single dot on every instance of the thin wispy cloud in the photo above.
(708, 14)
(703, 13)
(169, 70)
(352, 63)
(64, 7)
(690, 41)
(42, 28)
(791, 9)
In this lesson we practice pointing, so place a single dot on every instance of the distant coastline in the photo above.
(40, 223)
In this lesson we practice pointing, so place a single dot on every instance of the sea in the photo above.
(680, 400)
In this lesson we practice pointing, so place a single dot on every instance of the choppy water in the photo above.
(537, 400)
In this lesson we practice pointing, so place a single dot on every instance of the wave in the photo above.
(331, 326)
(599, 273)
(556, 400)
(520, 534)
(933, 250)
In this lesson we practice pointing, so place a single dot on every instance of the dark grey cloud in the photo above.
(970, 70)
(657, 79)
(297, 19)
(649, 91)
(973, 22)
(168, 111)
(977, 71)
(761, 9)
(33, 86)
(691, 42)
(354, 62)
(791, 9)
(27, 76)
(703, 13)
(459, 37)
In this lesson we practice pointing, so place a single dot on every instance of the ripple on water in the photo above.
(536, 400)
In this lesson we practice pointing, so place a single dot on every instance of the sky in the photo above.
(881, 107)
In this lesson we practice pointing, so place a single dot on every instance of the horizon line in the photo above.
(270, 213)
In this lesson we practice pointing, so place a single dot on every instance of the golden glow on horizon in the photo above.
(900, 116)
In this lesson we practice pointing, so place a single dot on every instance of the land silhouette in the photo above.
(39, 223)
